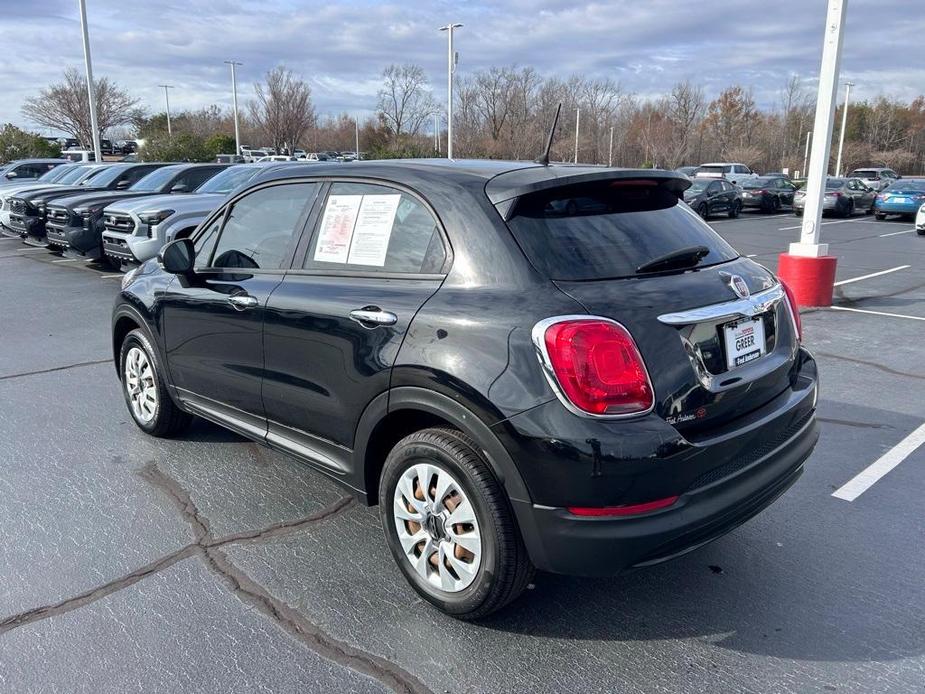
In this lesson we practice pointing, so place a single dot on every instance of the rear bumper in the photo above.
(748, 468)
(568, 544)
(888, 208)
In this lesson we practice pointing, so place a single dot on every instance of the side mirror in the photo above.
(12, 174)
(122, 185)
(179, 188)
(177, 257)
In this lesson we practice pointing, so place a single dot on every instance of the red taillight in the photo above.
(836, 194)
(762, 192)
(625, 510)
(794, 310)
(598, 367)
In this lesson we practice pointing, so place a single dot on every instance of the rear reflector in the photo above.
(626, 510)
(596, 365)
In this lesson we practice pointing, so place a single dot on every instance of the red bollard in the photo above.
(812, 280)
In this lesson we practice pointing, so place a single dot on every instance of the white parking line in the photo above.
(753, 218)
(876, 313)
(800, 226)
(65, 260)
(31, 250)
(110, 277)
(873, 274)
(897, 233)
(9, 238)
(866, 479)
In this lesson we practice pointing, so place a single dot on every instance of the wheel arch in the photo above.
(401, 411)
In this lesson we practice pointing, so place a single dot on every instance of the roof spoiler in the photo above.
(504, 190)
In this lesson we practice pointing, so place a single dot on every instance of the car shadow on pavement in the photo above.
(202, 431)
(747, 604)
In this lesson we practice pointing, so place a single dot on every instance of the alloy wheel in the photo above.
(437, 527)
(140, 384)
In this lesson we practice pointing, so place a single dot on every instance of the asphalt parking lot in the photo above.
(209, 563)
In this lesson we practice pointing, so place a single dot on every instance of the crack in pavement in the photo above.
(872, 364)
(208, 548)
(852, 423)
(57, 368)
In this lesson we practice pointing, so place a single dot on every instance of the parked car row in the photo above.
(65, 210)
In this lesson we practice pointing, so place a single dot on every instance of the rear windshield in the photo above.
(865, 173)
(835, 183)
(608, 229)
(714, 169)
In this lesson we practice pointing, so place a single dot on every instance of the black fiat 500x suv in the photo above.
(525, 366)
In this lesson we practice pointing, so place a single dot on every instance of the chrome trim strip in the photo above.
(538, 335)
(745, 308)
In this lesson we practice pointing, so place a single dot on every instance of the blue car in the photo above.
(904, 197)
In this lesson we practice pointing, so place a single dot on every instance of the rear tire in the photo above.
(430, 475)
(145, 389)
(703, 211)
(880, 216)
(735, 210)
(849, 210)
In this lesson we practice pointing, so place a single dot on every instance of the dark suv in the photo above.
(517, 381)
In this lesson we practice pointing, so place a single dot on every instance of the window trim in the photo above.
(223, 211)
(310, 227)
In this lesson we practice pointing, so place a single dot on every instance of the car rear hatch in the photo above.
(714, 329)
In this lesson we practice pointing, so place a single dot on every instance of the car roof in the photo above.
(501, 180)
(48, 160)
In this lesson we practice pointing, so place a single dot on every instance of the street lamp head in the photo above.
(450, 26)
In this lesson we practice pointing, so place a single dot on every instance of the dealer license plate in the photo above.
(744, 341)
(899, 201)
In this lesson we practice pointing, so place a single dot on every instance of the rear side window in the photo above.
(373, 228)
(261, 228)
(608, 229)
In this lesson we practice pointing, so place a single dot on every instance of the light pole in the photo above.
(809, 134)
(91, 95)
(610, 150)
(436, 135)
(577, 123)
(450, 69)
(844, 122)
(807, 268)
(167, 99)
(234, 101)
(356, 133)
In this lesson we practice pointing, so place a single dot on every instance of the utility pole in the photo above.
(234, 101)
(91, 94)
(356, 132)
(577, 123)
(807, 268)
(436, 135)
(809, 134)
(844, 122)
(610, 149)
(167, 99)
(450, 69)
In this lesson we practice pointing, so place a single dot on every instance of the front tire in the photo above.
(145, 390)
(880, 216)
(450, 526)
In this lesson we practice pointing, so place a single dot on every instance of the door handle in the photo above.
(372, 316)
(242, 301)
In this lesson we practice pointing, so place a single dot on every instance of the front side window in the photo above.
(261, 228)
(373, 228)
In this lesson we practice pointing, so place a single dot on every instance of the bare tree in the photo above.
(64, 106)
(405, 101)
(282, 110)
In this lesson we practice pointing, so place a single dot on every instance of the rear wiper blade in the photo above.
(683, 257)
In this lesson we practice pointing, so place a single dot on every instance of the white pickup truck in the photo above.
(733, 172)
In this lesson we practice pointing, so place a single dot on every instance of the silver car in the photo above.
(843, 197)
(876, 178)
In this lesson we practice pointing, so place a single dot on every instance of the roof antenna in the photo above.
(544, 158)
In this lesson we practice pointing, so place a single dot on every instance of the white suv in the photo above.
(876, 178)
(732, 172)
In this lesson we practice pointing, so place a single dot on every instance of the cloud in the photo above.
(341, 48)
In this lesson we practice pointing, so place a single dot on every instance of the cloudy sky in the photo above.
(340, 47)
